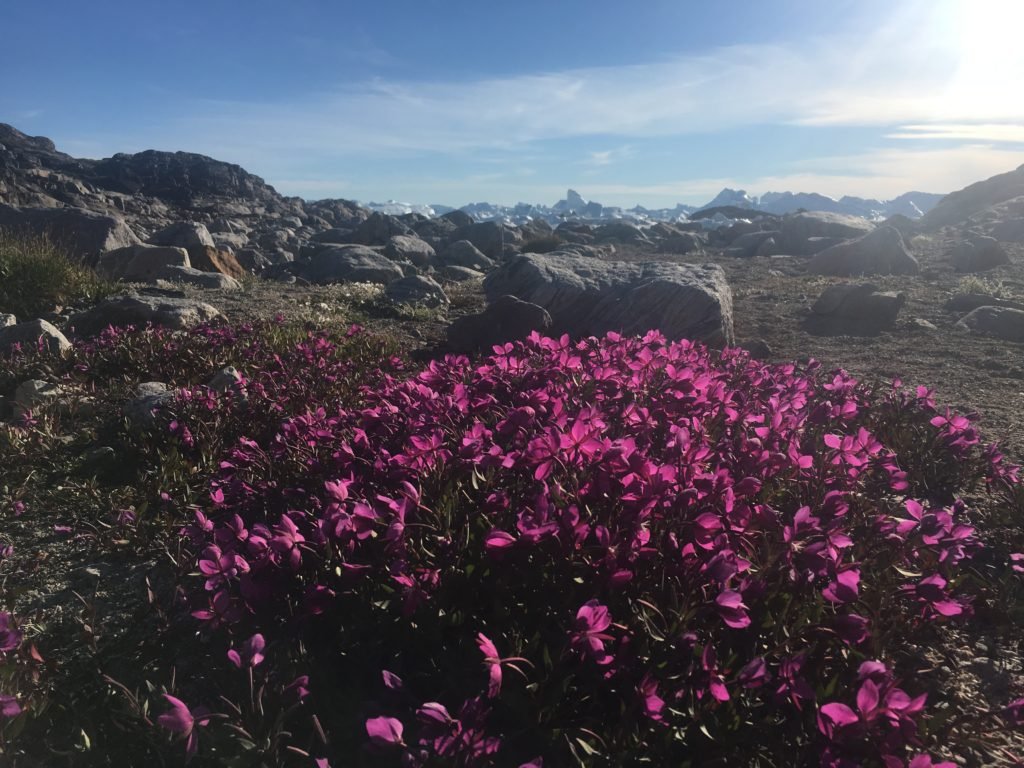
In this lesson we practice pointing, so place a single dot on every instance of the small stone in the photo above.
(33, 393)
(225, 379)
(149, 396)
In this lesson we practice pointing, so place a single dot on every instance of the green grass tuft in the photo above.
(36, 277)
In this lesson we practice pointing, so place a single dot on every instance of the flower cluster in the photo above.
(675, 551)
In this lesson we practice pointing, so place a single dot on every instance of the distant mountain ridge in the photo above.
(913, 205)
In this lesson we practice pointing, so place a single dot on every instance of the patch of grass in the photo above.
(466, 296)
(986, 286)
(36, 277)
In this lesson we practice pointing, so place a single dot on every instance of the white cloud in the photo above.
(609, 156)
(1001, 132)
(942, 69)
(920, 66)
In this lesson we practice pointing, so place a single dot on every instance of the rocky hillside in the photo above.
(973, 201)
(150, 190)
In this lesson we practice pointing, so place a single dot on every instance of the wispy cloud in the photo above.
(609, 156)
(931, 70)
(1001, 132)
(912, 70)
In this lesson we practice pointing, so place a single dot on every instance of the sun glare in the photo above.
(990, 58)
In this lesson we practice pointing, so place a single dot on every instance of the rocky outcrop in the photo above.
(183, 234)
(804, 234)
(84, 234)
(417, 290)
(590, 297)
(978, 254)
(881, 252)
(171, 311)
(1001, 322)
(851, 309)
(958, 206)
(378, 229)
(33, 333)
(411, 249)
(350, 264)
(140, 263)
(505, 319)
(151, 191)
(183, 179)
(190, 276)
(463, 253)
(489, 237)
(209, 259)
(966, 302)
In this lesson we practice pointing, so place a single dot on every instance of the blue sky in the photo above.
(453, 102)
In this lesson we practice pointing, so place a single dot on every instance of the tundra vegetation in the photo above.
(611, 551)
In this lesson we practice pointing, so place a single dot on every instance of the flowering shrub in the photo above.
(616, 551)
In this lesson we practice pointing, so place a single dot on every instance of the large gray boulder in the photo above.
(183, 234)
(417, 289)
(749, 244)
(851, 309)
(967, 302)
(408, 248)
(350, 264)
(456, 274)
(505, 319)
(140, 263)
(978, 254)
(378, 229)
(803, 234)
(463, 253)
(588, 296)
(209, 280)
(1001, 322)
(33, 333)
(490, 237)
(684, 242)
(620, 232)
(334, 235)
(138, 310)
(83, 234)
(881, 252)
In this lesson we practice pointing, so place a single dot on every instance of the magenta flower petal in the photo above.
(9, 706)
(384, 731)
(833, 716)
(178, 718)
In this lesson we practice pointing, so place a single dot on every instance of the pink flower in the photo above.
(732, 610)
(180, 720)
(493, 662)
(10, 636)
(385, 732)
(252, 652)
(653, 703)
(589, 636)
(845, 587)
(9, 706)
